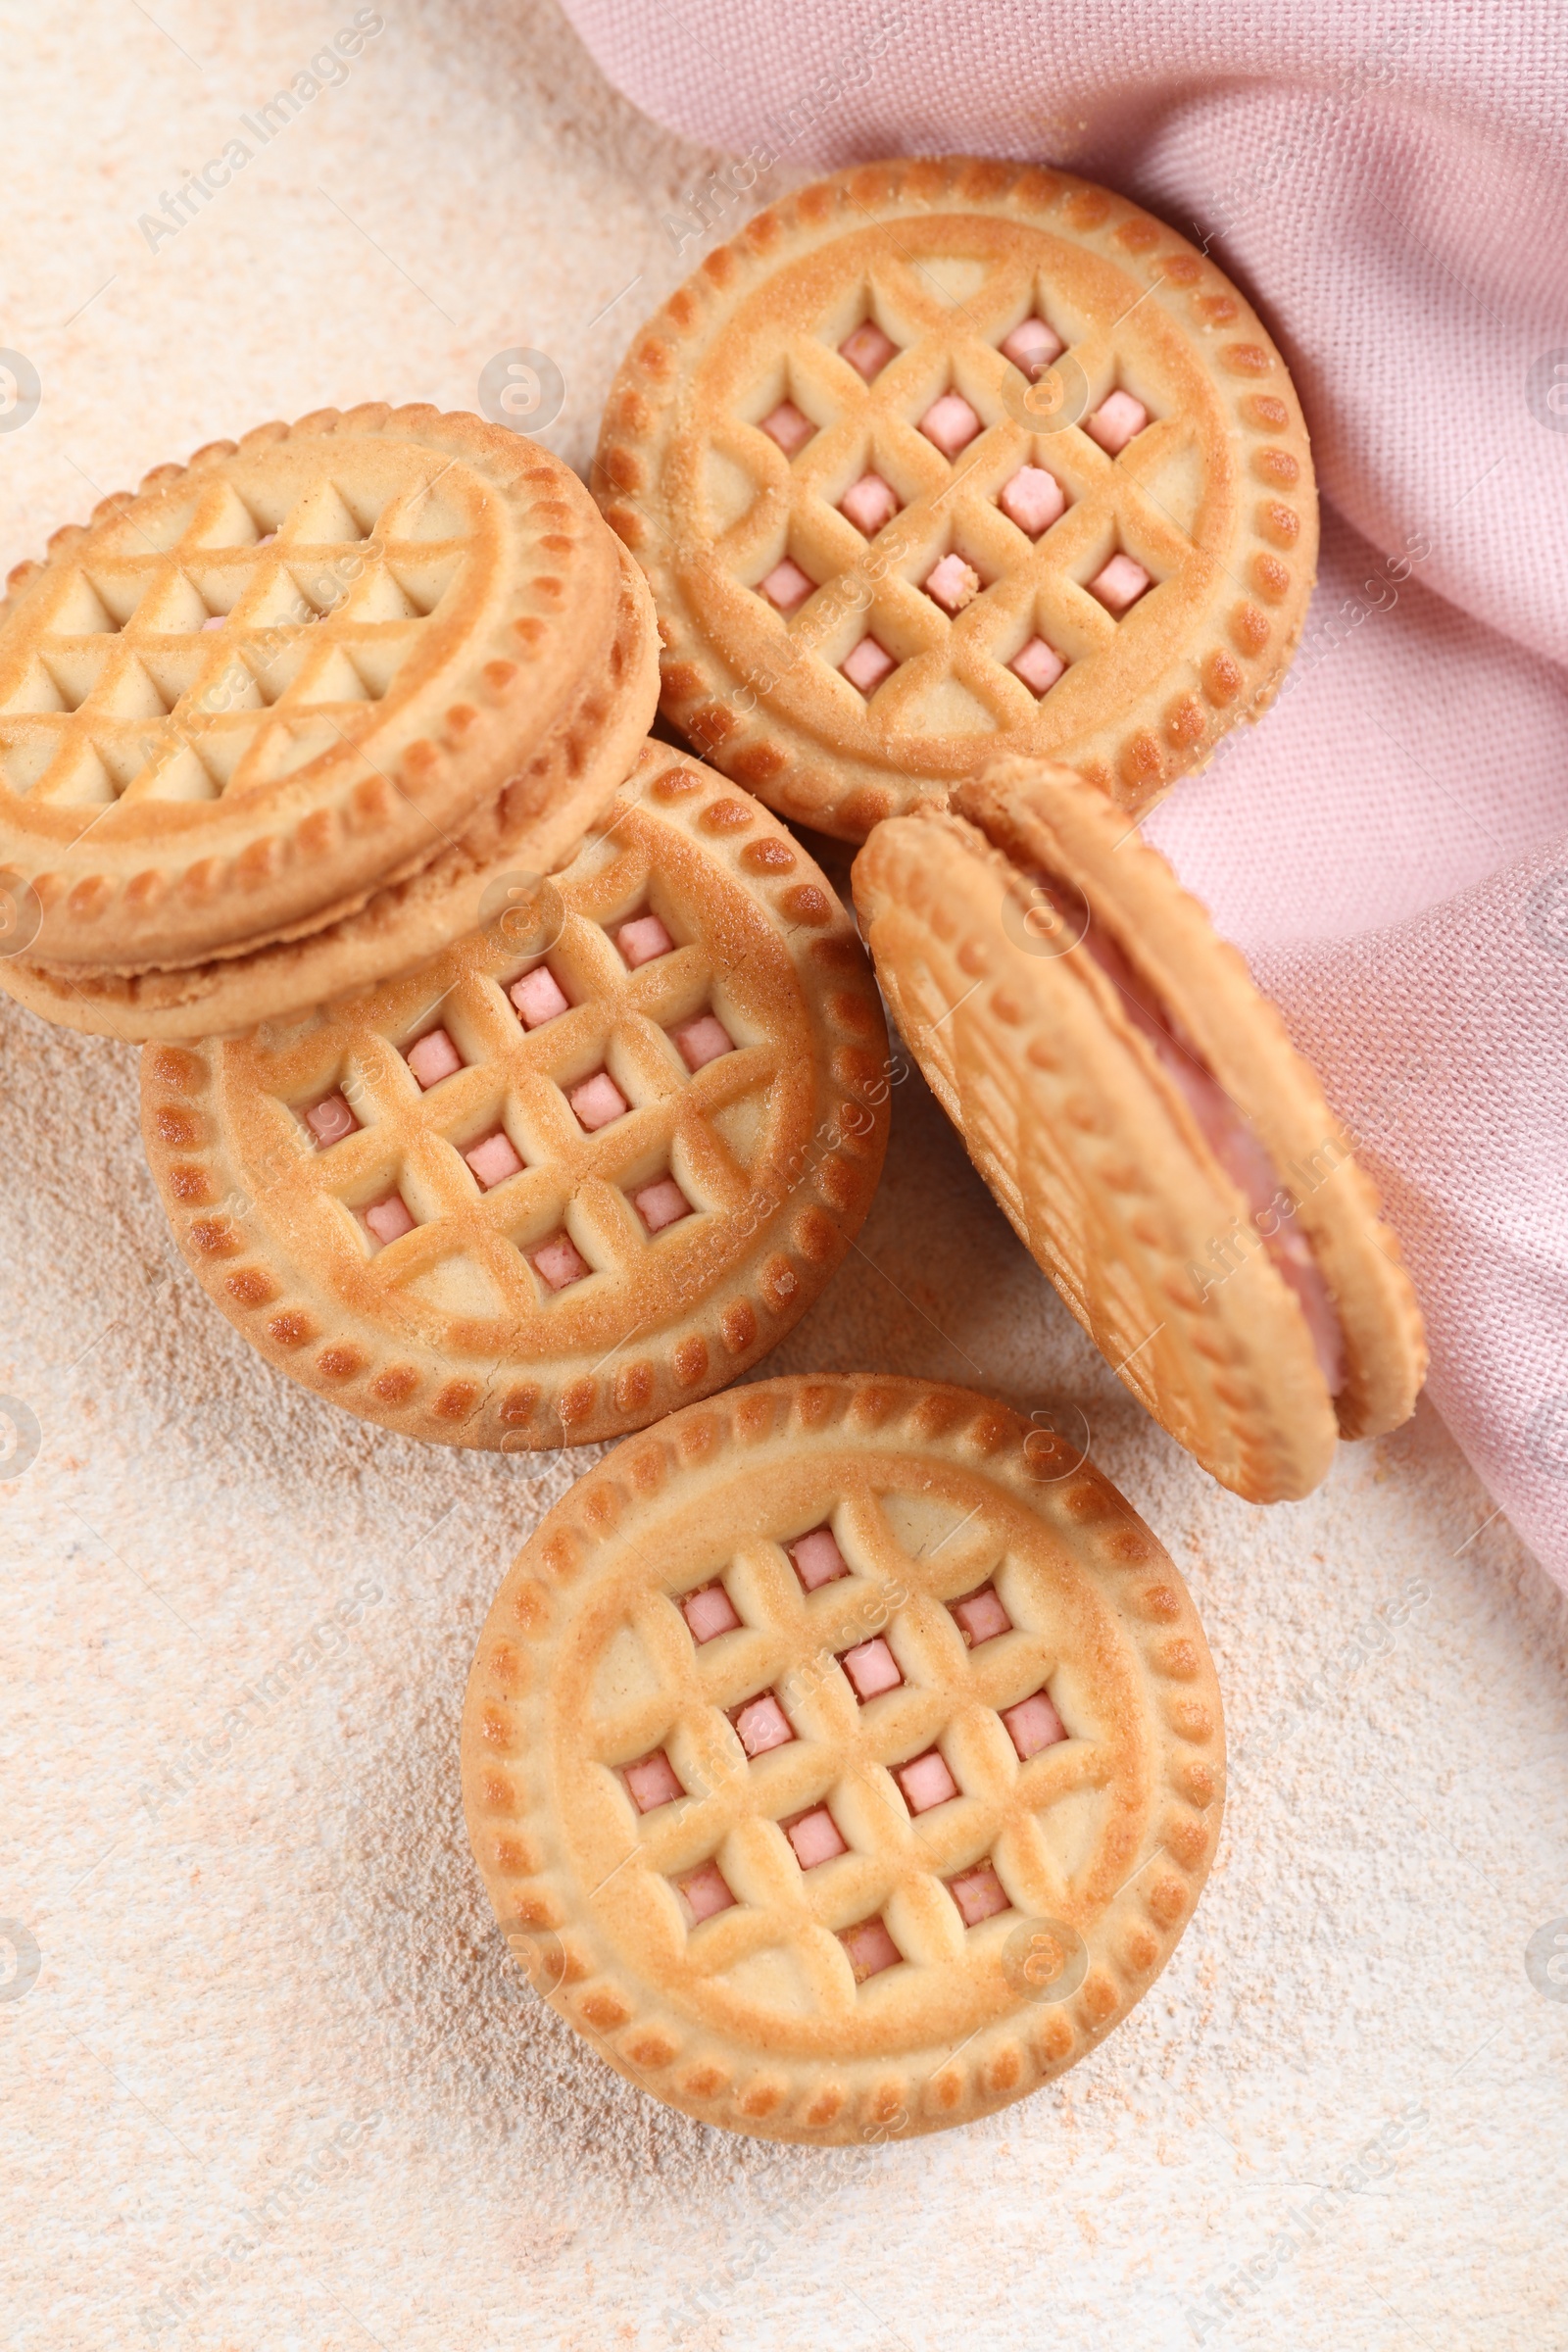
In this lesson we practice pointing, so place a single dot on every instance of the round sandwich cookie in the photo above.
(1139, 1111)
(262, 721)
(844, 1758)
(942, 460)
(591, 1162)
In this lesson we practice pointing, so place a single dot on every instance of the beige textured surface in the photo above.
(249, 1939)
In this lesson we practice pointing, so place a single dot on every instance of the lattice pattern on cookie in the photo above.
(232, 640)
(587, 1129)
(822, 1936)
(967, 582)
(813, 1795)
(1056, 500)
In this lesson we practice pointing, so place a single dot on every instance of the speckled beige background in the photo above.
(273, 2084)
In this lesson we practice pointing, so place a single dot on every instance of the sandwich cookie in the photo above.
(591, 1162)
(264, 722)
(1140, 1113)
(843, 1758)
(939, 461)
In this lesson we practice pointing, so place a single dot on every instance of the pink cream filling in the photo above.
(815, 1836)
(1238, 1147)
(950, 423)
(872, 1668)
(952, 583)
(660, 1203)
(979, 1893)
(709, 1612)
(642, 939)
(869, 504)
(331, 1120)
(432, 1057)
(494, 1159)
(818, 1559)
(539, 997)
(869, 349)
(761, 1723)
(559, 1262)
(925, 1781)
(1032, 1725)
(705, 1893)
(389, 1219)
(702, 1041)
(871, 1948)
(980, 1616)
(598, 1102)
(651, 1782)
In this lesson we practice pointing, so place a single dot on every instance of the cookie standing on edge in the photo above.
(592, 1162)
(939, 461)
(844, 1758)
(263, 721)
(1140, 1113)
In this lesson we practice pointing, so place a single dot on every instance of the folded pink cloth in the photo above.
(1390, 846)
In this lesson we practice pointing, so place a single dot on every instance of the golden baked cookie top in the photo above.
(1139, 1111)
(942, 460)
(843, 1757)
(270, 681)
(591, 1162)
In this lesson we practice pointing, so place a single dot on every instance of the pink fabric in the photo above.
(1390, 846)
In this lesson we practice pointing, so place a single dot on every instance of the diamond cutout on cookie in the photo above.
(651, 1782)
(432, 1057)
(1032, 347)
(1118, 420)
(872, 1668)
(814, 1838)
(871, 1948)
(786, 587)
(331, 1120)
(493, 1158)
(597, 1101)
(866, 665)
(761, 1723)
(559, 1262)
(1119, 585)
(869, 349)
(660, 1203)
(925, 1780)
(869, 504)
(980, 1616)
(539, 998)
(952, 583)
(979, 1893)
(643, 941)
(950, 423)
(816, 1558)
(1033, 499)
(389, 1220)
(1038, 665)
(705, 1893)
(1032, 1725)
(788, 427)
(701, 1041)
(709, 1612)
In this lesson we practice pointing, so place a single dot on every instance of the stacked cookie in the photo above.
(271, 728)
(844, 1757)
